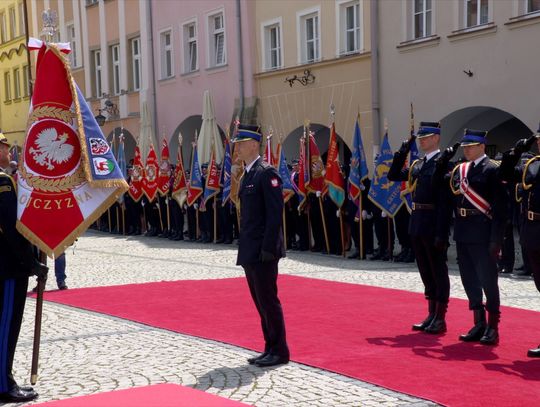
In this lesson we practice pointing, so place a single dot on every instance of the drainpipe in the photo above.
(375, 108)
(240, 58)
(154, 97)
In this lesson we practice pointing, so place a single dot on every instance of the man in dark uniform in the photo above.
(17, 263)
(528, 174)
(429, 223)
(261, 242)
(480, 216)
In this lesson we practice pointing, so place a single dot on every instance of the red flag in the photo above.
(68, 173)
(335, 182)
(179, 191)
(137, 175)
(149, 182)
(164, 169)
(211, 186)
(316, 169)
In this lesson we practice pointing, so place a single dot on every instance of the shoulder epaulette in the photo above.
(496, 162)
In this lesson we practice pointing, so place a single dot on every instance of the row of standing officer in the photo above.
(475, 191)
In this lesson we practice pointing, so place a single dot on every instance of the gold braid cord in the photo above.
(525, 170)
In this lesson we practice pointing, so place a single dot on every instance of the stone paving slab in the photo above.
(84, 352)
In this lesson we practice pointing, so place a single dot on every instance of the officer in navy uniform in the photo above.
(478, 232)
(261, 242)
(17, 263)
(528, 175)
(429, 223)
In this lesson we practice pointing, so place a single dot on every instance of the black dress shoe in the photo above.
(252, 360)
(521, 273)
(354, 255)
(534, 353)
(271, 360)
(18, 395)
(62, 286)
(505, 270)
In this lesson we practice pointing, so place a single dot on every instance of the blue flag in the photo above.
(195, 187)
(288, 189)
(359, 169)
(384, 193)
(226, 173)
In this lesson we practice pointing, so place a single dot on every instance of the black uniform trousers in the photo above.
(12, 301)
(532, 253)
(262, 282)
(479, 269)
(433, 269)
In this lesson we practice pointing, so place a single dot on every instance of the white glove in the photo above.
(167, 201)
(318, 194)
(196, 206)
(142, 203)
(337, 213)
(370, 216)
(384, 215)
(364, 215)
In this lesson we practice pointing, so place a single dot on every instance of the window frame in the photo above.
(301, 30)
(26, 81)
(165, 50)
(266, 55)
(187, 42)
(22, 22)
(424, 12)
(12, 22)
(212, 34)
(7, 86)
(3, 27)
(115, 68)
(16, 83)
(72, 39)
(478, 13)
(528, 4)
(341, 29)
(136, 61)
(98, 71)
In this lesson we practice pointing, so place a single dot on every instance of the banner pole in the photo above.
(342, 233)
(361, 229)
(324, 226)
(284, 228)
(214, 204)
(41, 280)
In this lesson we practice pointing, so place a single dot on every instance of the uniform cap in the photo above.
(473, 137)
(246, 132)
(3, 140)
(428, 129)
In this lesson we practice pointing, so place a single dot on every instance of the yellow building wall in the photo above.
(14, 95)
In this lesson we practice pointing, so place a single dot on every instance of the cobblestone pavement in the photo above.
(84, 353)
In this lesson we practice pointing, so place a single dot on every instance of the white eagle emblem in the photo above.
(52, 148)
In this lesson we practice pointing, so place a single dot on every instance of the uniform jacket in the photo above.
(261, 209)
(16, 255)
(483, 178)
(433, 223)
(526, 168)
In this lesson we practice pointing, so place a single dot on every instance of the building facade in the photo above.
(14, 72)
(310, 55)
(466, 63)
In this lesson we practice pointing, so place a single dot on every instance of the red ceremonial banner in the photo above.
(164, 169)
(137, 175)
(149, 182)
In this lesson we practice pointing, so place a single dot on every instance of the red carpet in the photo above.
(160, 395)
(359, 331)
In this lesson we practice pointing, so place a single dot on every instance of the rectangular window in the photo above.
(533, 6)
(7, 86)
(12, 23)
(217, 40)
(349, 30)
(422, 18)
(166, 55)
(16, 83)
(136, 63)
(310, 39)
(97, 73)
(72, 39)
(477, 12)
(91, 2)
(3, 28)
(115, 58)
(190, 47)
(22, 26)
(272, 46)
(26, 81)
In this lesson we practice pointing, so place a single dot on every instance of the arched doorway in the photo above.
(129, 142)
(291, 144)
(504, 129)
(187, 128)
